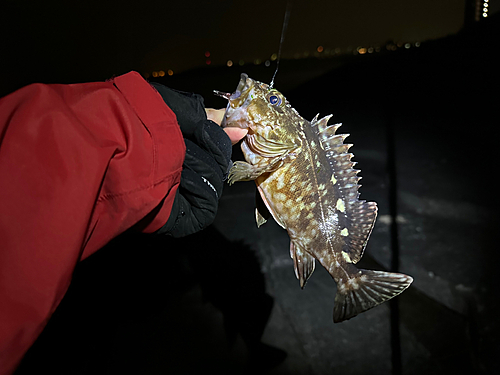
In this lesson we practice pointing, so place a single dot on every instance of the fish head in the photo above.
(262, 110)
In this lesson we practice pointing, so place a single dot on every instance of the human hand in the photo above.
(217, 115)
(206, 163)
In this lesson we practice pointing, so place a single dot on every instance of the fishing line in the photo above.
(283, 31)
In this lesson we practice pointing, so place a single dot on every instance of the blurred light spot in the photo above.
(267, 63)
(154, 74)
(337, 51)
(146, 75)
(377, 49)
(407, 45)
(170, 72)
(362, 51)
(417, 44)
(274, 57)
(399, 44)
(229, 63)
(242, 62)
(370, 50)
(161, 73)
(319, 49)
(306, 53)
(257, 61)
(207, 54)
(208, 62)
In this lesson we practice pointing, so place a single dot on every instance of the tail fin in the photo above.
(368, 289)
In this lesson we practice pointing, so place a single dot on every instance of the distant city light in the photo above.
(485, 8)
(319, 51)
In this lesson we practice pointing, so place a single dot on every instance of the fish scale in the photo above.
(306, 181)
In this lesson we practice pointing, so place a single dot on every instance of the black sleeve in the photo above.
(205, 168)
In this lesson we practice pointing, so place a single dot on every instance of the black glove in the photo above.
(207, 162)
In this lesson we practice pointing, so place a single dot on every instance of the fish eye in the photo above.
(274, 100)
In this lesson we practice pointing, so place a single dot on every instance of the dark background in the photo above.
(423, 121)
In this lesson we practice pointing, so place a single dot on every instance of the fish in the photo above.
(305, 178)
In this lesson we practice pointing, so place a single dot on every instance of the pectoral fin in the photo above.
(303, 262)
(243, 171)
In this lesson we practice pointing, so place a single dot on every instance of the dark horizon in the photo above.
(65, 42)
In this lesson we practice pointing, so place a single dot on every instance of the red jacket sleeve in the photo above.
(79, 164)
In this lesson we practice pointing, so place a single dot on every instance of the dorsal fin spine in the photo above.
(361, 214)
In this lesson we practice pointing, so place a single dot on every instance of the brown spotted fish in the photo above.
(305, 176)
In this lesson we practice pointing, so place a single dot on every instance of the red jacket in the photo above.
(79, 164)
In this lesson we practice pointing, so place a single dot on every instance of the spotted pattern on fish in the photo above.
(305, 176)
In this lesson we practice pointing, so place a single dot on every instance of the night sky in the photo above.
(64, 41)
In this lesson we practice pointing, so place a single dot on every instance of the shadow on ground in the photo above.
(147, 304)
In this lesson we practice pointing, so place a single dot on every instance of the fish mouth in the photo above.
(242, 85)
(230, 120)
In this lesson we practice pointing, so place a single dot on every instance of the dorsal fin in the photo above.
(361, 217)
(320, 125)
(333, 141)
(360, 214)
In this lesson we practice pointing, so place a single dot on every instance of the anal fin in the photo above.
(303, 262)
